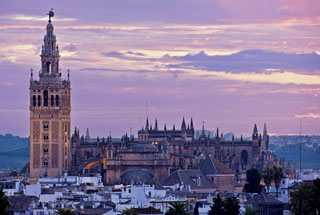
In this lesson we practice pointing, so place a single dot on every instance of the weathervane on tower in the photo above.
(51, 14)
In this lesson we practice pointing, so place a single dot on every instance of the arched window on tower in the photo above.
(52, 100)
(34, 101)
(48, 64)
(45, 98)
(39, 100)
(57, 100)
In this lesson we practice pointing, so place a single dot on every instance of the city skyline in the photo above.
(229, 65)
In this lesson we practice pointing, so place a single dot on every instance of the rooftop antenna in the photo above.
(146, 108)
(300, 148)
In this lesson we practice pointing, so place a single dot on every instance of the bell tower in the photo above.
(49, 114)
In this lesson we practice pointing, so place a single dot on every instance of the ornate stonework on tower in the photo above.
(49, 114)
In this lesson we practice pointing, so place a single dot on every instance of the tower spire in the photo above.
(156, 125)
(147, 124)
(183, 125)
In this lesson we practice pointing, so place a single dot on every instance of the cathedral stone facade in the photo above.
(163, 151)
(49, 114)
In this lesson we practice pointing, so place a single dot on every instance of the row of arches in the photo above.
(54, 100)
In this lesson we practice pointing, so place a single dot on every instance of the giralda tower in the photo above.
(49, 114)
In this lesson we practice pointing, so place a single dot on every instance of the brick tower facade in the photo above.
(49, 114)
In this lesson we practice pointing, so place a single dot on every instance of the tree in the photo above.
(4, 203)
(63, 211)
(253, 181)
(301, 200)
(129, 211)
(267, 176)
(232, 206)
(251, 211)
(316, 195)
(196, 209)
(177, 208)
(277, 176)
(218, 206)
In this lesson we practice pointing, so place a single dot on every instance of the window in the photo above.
(46, 137)
(45, 150)
(45, 163)
(45, 127)
(39, 100)
(48, 64)
(34, 101)
(52, 100)
(57, 100)
(282, 182)
(45, 98)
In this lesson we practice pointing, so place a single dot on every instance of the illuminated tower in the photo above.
(49, 114)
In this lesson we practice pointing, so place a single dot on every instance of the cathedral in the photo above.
(154, 156)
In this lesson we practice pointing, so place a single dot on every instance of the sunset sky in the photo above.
(228, 63)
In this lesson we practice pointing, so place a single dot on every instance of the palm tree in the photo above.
(277, 176)
(129, 211)
(177, 208)
(63, 211)
(301, 201)
(4, 203)
(268, 175)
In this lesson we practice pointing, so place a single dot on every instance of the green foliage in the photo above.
(63, 211)
(306, 200)
(253, 181)
(196, 210)
(251, 211)
(277, 176)
(268, 175)
(218, 206)
(230, 206)
(301, 200)
(129, 211)
(4, 203)
(177, 208)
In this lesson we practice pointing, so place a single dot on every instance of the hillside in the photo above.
(14, 151)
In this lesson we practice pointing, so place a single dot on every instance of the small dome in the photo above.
(137, 176)
(142, 131)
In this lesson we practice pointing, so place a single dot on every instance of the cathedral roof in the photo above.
(137, 176)
(212, 166)
(189, 178)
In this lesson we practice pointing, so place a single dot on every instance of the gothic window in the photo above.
(57, 100)
(34, 101)
(52, 100)
(45, 98)
(244, 158)
(39, 100)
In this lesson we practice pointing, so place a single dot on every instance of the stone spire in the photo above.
(156, 125)
(265, 133)
(191, 124)
(87, 138)
(183, 125)
(147, 124)
(255, 135)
